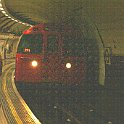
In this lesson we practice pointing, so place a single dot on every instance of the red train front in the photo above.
(50, 56)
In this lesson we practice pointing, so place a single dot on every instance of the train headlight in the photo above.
(34, 63)
(68, 65)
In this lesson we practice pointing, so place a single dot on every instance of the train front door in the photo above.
(52, 58)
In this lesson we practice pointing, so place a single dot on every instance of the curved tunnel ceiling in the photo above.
(106, 14)
(9, 26)
(46, 11)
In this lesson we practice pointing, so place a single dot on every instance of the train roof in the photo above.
(50, 27)
(36, 29)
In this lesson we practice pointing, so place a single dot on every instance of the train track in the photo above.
(52, 108)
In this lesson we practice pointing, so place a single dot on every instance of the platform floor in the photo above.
(2, 116)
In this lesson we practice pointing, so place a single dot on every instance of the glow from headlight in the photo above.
(34, 63)
(68, 65)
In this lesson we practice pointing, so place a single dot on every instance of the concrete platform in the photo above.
(13, 106)
(2, 116)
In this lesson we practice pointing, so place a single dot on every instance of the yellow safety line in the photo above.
(23, 102)
(12, 108)
(6, 66)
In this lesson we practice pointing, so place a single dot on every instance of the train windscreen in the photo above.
(30, 43)
(52, 44)
(73, 46)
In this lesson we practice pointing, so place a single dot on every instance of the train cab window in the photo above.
(52, 44)
(30, 43)
(73, 46)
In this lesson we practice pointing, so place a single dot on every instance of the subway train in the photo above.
(66, 56)
(48, 55)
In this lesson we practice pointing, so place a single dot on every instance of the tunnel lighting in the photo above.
(12, 19)
(27, 24)
(3, 12)
(9, 17)
(1, 8)
(68, 65)
(34, 63)
(16, 20)
(23, 23)
(6, 15)
(20, 22)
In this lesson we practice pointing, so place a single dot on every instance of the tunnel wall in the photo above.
(94, 43)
